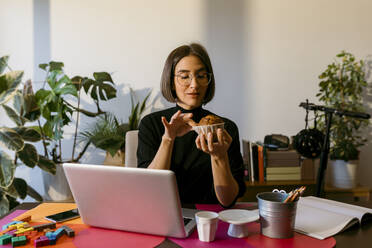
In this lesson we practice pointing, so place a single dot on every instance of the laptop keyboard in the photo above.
(186, 221)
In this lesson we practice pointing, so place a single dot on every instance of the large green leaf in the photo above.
(18, 189)
(67, 90)
(77, 81)
(47, 165)
(18, 120)
(4, 204)
(3, 84)
(11, 139)
(41, 95)
(7, 170)
(99, 90)
(103, 77)
(30, 107)
(10, 81)
(28, 133)
(43, 66)
(18, 102)
(3, 63)
(55, 65)
(28, 155)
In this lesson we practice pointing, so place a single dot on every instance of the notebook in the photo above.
(129, 199)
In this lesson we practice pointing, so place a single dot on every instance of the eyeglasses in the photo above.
(185, 79)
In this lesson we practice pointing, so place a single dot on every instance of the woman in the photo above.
(206, 171)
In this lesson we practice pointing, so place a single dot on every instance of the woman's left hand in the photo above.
(215, 149)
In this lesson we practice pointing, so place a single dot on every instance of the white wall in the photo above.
(289, 43)
(266, 54)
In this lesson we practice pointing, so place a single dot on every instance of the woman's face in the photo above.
(190, 96)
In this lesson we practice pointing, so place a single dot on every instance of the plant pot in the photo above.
(117, 160)
(56, 187)
(342, 174)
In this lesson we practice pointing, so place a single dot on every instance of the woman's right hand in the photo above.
(179, 125)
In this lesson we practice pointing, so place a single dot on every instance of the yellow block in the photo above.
(22, 230)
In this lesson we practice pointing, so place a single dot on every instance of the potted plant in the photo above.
(108, 134)
(41, 117)
(341, 87)
(56, 102)
(17, 142)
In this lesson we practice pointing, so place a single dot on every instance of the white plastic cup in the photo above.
(207, 223)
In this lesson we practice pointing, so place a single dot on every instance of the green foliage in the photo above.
(41, 116)
(17, 138)
(341, 87)
(57, 111)
(108, 134)
(136, 110)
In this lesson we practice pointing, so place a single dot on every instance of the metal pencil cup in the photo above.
(276, 217)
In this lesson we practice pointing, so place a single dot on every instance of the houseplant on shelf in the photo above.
(108, 134)
(17, 141)
(341, 87)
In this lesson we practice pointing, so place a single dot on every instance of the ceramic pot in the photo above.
(56, 187)
(342, 174)
(117, 160)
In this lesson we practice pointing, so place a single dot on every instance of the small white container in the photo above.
(238, 219)
(207, 223)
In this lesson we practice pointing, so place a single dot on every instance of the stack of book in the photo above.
(283, 165)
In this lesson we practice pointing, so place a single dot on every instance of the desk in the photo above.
(352, 237)
(357, 193)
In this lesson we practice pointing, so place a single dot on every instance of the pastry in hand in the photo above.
(208, 124)
(210, 120)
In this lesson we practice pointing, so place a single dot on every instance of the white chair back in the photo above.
(131, 143)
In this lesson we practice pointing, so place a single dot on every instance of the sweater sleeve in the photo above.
(148, 141)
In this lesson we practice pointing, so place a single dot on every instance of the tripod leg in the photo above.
(323, 158)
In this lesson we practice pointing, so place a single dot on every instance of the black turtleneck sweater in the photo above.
(191, 165)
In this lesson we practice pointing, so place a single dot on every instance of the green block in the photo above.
(5, 239)
(19, 241)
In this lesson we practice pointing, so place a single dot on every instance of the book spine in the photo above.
(251, 162)
(255, 160)
(261, 176)
(283, 170)
(274, 177)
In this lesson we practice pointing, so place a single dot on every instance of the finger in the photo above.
(165, 122)
(187, 119)
(191, 123)
(197, 142)
(203, 143)
(220, 136)
(175, 116)
(210, 142)
(227, 136)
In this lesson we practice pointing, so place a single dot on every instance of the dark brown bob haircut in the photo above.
(167, 77)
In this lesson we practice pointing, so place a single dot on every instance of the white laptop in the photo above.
(129, 199)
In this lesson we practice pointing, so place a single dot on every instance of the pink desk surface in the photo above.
(92, 237)
(255, 239)
(86, 236)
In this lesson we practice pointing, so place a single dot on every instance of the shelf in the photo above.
(287, 182)
(253, 188)
(357, 193)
